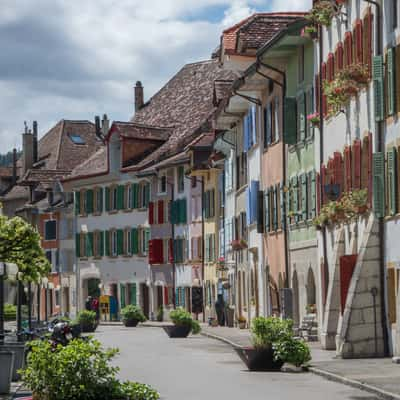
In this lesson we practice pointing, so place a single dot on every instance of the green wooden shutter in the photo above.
(391, 81)
(78, 244)
(304, 196)
(146, 239)
(313, 195)
(89, 244)
(392, 180)
(101, 249)
(295, 198)
(89, 201)
(120, 197)
(107, 199)
(135, 195)
(122, 290)
(377, 72)
(282, 199)
(77, 203)
(207, 248)
(275, 210)
(107, 242)
(290, 120)
(147, 195)
(135, 241)
(301, 108)
(379, 184)
(100, 193)
(184, 210)
(120, 241)
(267, 211)
(133, 293)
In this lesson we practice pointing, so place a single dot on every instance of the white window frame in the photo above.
(128, 196)
(98, 200)
(159, 184)
(113, 198)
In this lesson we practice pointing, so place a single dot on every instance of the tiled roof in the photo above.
(96, 164)
(254, 31)
(142, 131)
(17, 192)
(185, 102)
(205, 140)
(43, 176)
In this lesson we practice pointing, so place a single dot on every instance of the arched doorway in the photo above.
(296, 305)
(92, 285)
(311, 292)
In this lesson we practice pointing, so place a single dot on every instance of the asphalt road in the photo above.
(202, 368)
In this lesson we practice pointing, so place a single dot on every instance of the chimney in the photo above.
(14, 167)
(105, 125)
(27, 150)
(97, 126)
(35, 141)
(138, 96)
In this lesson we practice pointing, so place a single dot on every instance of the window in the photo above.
(49, 256)
(181, 179)
(309, 195)
(98, 243)
(162, 184)
(301, 117)
(76, 139)
(98, 200)
(114, 249)
(144, 240)
(83, 202)
(166, 250)
(128, 196)
(57, 297)
(144, 194)
(128, 241)
(50, 229)
(113, 198)
(301, 64)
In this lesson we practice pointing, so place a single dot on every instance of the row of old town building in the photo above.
(267, 176)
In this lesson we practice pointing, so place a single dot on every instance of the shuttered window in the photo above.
(135, 195)
(77, 201)
(392, 180)
(356, 161)
(367, 38)
(156, 249)
(267, 125)
(330, 67)
(267, 223)
(348, 49)
(303, 193)
(339, 57)
(181, 179)
(379, 186)
(377, 74)
(358, 42)
(135, 240)
(301, 117)
(391, 81)
(78, 244)
(98, 200)
(160, 211)
(89, 201)
(290, 120)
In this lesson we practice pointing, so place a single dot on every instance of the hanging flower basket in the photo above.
(314, 119)
(358, 73)
(310, 31)
(323, 12)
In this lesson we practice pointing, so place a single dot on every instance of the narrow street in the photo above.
(200, 368)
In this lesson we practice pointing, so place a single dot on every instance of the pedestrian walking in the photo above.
(95, 307)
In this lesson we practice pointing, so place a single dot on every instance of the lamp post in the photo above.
(45, 282)
(28, 293)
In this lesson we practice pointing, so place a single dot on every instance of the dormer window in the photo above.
(76, 139)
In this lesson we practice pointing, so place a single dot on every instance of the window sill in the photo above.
(97, 214)
(111, 212)
(128, 210)
(273, 144)
(83, 258)
(97, 257)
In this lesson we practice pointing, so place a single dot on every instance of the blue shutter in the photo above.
(255, 187)
(245, 134)
(253, 125)
(248, 206)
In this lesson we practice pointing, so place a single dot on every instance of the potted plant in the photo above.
(265, 332)
(160, 314)
(183, 324)
(86, 320)
(132, 315)
(360, 200)
(292, 351)
(242, 321)
(355, 72)
(6, 371)
(314, 119)
(310, 31)
(322, 13)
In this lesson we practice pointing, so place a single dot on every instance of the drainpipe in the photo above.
(173, 248)
(380, 148)
(203, 250)
(285, 232)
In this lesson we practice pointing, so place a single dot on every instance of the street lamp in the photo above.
(45, 282)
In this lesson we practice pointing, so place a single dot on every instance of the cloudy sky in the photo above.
(74, 59)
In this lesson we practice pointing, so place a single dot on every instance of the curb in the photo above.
(325, 374)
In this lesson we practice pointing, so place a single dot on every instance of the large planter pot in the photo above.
(258, 360)
(131, 322)
(177, 331)
(19, 351)
(6, 371)
(88, 328)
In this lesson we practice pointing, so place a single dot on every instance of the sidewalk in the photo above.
(379, 376)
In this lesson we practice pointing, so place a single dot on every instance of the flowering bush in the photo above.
(322, 13)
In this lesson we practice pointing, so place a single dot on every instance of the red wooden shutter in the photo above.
(357, 164)
(324, 101)
(151, 213)
(347, 168)
(160, 211)
(323, 182)
(151, 252)
(171, 251)
(330, 177)
(370, 188)
(348, 49)
(160, 248)
(331, 67)
(358, 39)
(317, 93)
(318, 188)
(338, 169)
(368, 25)
(347, 265)
(339, 56)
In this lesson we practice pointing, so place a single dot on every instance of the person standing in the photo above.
(95, 307)
(220, 310)
(88, 303)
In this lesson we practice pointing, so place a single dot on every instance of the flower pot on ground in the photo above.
(292, 351)
(6, 371)
(183, 324)
(87, 321)
(259, 359)
(132, 315)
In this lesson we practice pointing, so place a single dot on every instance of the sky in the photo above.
(70, 59)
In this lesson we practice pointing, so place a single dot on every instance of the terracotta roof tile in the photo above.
(96, 164)
(142, 131)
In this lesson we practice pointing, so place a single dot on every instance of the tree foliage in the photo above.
(20, 245)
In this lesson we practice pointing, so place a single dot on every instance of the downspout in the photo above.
(285, 231)
(203, 250)
(380, 148)
(173, 248)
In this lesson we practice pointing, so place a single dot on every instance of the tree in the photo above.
(20, 245)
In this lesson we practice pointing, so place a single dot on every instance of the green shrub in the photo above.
(181, 317)
(79, 371)
(160, 314)
(86, 317)
(292, 351)
(132, 312)
(266, 331)
(135, 391)
(10, 312)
